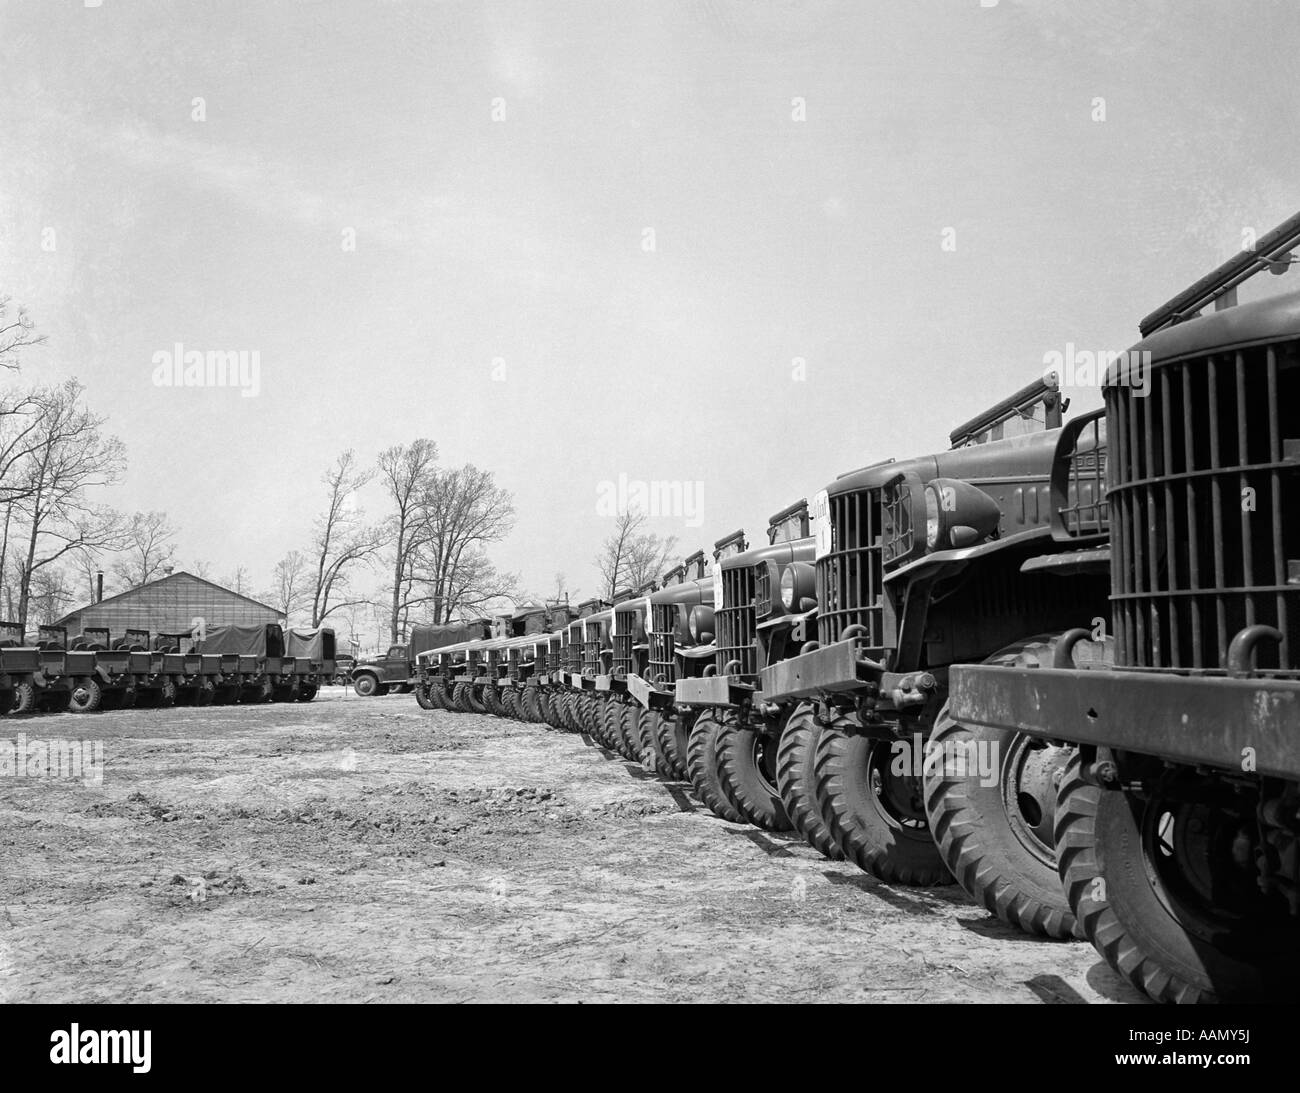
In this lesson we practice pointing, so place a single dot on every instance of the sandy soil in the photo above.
(365, 850)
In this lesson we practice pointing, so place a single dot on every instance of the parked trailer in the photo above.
(1177, 814)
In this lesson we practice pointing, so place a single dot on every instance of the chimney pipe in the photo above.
(99, 587)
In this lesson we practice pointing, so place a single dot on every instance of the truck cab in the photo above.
(380, 674)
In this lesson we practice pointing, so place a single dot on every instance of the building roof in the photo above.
(164, 580)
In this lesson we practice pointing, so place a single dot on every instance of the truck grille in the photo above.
(512, 664)
(1204, 513)
(850, 578)
(1079, 481)
(663, 641)
(553, 654)
(763, 589)
(627, 624)
(735, 620)
(622, 654)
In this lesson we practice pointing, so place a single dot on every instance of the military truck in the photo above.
(252, 661)
(396, 669)
(680, 645)
(189, 670)
(437, 670)
(112, 681)
(472, 672)
(434, 679)
(1177, 813)
(765, 607)
(522, 683)
(576, 702)
(314, 653)
(627, 723)
(31, 670)
(552, 689)
(61, 676)
(920, 565)
(343, 666)
(128, 672)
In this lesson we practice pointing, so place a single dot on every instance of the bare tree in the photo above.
(70, 456)
(17, 331)
(631, 557)
(405, 471)
(562, 591)
(475, 587)
(612, 559)
(463, 512)
(20, 419)
(238, 581)
(150, 551)
(86, 566)
(342, 540)
(647, 558)
(201, 568)
(51, 595)
(290, 587)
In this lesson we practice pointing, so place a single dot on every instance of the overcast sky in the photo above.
(620, 272)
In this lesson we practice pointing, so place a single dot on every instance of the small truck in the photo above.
(396, 668)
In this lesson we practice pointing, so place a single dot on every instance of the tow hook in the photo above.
(913, 689)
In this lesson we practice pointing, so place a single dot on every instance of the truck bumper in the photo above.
(714, 691)
(648, 697)
(611, 684)
(1209, 721)
(830, 668)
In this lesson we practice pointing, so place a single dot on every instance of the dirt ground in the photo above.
(365, 850)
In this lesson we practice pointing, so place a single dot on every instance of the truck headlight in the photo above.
(958, 514)
(931, 517)
(787, 588)
(700, 624)
(798, 586)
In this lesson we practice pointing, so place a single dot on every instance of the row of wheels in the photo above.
(88, 694)
(1161, 887)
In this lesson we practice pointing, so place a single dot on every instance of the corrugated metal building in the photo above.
(170, 605)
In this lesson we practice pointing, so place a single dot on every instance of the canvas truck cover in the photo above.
(424, 638)
(262, 640)
(316, 645)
